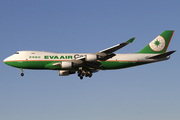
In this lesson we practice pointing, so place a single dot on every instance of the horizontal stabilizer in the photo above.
(163, 55)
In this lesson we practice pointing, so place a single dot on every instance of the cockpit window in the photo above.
(17, 53)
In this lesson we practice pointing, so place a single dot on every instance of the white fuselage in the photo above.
(52, 56)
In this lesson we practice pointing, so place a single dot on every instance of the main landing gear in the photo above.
(22, 74)
(82, 73)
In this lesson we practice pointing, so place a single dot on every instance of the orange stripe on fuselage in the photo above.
(67, 60)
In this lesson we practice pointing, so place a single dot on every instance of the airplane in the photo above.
(85, 64)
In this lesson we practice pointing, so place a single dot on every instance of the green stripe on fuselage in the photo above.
(106, 65)
(29, 64)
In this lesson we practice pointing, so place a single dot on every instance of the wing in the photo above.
(114, 48)
(108, 53)
(101, 55)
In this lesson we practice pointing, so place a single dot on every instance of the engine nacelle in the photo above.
(66, 72)
(66, 65)
(91, 57)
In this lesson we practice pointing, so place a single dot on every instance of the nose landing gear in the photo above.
(22, 74)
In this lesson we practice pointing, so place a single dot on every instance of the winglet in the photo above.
(130, 40)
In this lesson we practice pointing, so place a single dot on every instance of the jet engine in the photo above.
(66, 72)
(91, 57)
(66, 65)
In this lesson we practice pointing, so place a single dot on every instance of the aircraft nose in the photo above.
(10, 58)
(7, 59)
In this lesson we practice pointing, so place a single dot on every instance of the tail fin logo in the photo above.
(157, 44)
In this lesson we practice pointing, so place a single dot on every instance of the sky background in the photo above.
(149, 92)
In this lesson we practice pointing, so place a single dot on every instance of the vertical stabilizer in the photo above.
(159, 44)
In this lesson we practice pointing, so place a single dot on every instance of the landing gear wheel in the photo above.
(81, 77)
(90, 75)
(86, 75)
(22, 74)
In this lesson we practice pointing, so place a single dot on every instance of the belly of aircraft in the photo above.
(119, 65)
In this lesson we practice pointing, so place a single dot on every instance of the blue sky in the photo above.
(148, 92)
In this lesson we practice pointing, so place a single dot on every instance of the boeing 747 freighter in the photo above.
(85, 64)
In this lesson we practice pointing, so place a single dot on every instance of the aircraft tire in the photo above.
(79, 75)
(90, 75)
(22, 74)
